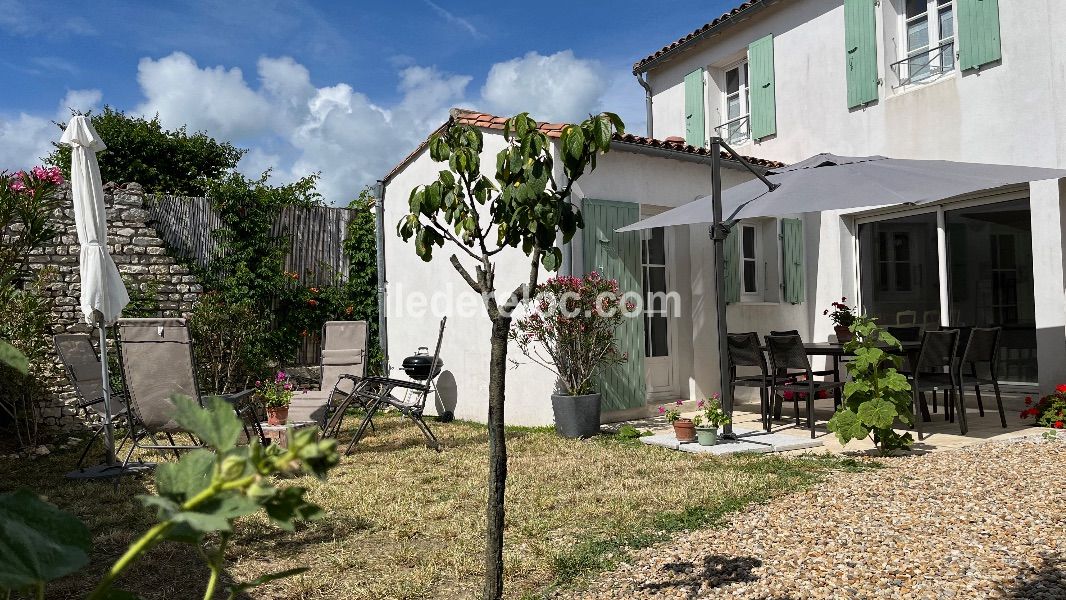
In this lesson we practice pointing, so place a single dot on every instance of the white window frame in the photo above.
(757, 294)
(743, 94)
(935, 39)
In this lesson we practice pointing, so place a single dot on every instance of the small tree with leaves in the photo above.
(522, 207)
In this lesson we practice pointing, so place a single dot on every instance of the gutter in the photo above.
(642, 79)
(709, 32)
(379, 240)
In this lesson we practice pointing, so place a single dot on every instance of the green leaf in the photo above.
(38, 542)
(216, 424)
(217, 513)
(574, 141)
(877, 414)
(288, 506)
(258, 581)
(551, 259)
(10, 356)
(182, 480)
(847, 426)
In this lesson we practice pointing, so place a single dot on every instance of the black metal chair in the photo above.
(744, 351)
(982, 349)
(935, 370)
(789, 361)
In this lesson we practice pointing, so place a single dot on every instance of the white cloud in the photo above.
(25, 138)
(80, 100)
(559, 87)
(454, 19)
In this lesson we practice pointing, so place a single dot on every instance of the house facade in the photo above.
(965, 80)
(961, 80)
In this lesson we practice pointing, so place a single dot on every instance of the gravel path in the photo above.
(987, 521)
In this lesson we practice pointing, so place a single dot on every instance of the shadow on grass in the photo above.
(1048, 581)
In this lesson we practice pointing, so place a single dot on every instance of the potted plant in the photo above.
(684, 429)
(276, 395)
(708, 422)
(842, 316)
(570, 330)
(1050, 411)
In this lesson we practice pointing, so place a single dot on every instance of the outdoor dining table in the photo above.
(836, 351)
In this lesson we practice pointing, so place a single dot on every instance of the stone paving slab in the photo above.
(771, 442)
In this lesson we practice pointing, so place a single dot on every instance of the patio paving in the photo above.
(757, 443)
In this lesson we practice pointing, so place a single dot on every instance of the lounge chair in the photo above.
(408, 397)
(157, 364)
(343, 364)
(82, 366)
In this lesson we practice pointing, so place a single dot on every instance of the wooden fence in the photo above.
(316, 235)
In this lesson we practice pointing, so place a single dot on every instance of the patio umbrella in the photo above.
(826, 182)
(829, 182)
(103, 295)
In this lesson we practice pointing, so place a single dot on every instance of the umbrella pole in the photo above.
(718, 232)
(109, 436)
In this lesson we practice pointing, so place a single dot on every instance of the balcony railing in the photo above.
(735, 131)
(925, 66)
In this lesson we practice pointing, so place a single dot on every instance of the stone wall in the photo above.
(162, 285)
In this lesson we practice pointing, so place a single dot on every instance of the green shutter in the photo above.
(763, 94)
(617, 256)
(731, 256)
(979, 42)
(694, 124)
(860, 44)
(792, 259)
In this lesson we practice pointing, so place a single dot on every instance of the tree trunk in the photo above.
(497, 461)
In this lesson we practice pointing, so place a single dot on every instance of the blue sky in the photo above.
(345, 88)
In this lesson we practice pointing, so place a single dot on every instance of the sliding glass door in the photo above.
(986, 254)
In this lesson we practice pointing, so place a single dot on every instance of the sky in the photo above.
(345, 89)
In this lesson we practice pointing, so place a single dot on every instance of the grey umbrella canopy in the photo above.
(830, 182)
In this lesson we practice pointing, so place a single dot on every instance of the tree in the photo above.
(162, 161)
(524, 208)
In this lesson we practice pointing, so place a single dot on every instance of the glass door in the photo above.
(658, 334)
(899, 270)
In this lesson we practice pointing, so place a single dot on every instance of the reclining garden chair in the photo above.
(82, 366)
(342, 365)
(408, 397)
(157, 363)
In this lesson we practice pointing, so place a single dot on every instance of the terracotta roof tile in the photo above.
(724, 19)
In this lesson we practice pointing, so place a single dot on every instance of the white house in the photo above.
(965, 80)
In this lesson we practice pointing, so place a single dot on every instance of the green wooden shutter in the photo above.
(694, 122)
(979, 41)
(860, 43)
(731, 255)
(762, 88)
(792, 259)
(617, 256)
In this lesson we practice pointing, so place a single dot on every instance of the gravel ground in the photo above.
(987, 521)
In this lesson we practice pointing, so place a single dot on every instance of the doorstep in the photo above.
(758, 444)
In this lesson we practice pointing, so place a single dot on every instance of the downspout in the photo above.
(379, 239)
(641, 79)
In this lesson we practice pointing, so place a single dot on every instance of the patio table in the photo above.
(835, 350)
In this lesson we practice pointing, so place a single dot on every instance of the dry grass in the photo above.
(404, 522)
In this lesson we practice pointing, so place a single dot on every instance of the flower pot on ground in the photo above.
(576, 416)
(684, 429)
(707, 436)
(570, 330)
(276, 395)
(842, 317)
(709, 420)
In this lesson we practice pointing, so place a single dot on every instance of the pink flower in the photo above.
(680, 402)
(699, 404)
(662, 410)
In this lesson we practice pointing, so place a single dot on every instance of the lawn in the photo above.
(404, 522)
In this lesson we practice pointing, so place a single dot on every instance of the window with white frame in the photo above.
(735, 128)
(928, 30)
(750, 262)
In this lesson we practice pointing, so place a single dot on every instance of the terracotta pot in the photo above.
(277, 415)
(843, 334)
(684, 430)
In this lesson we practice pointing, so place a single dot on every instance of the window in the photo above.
(736, 107)
(929, 41)
(749, 259)
(653, 267)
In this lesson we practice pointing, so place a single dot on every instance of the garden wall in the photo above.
(158, 284)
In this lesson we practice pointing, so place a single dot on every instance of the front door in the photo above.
(656, 277)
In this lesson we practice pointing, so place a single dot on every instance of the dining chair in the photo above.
(907, 317)
(982, 349)
(935, 370)
(744, 351)
(789, 358)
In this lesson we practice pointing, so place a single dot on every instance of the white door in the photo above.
(659, 321)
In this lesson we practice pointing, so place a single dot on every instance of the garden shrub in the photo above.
(1050, 411)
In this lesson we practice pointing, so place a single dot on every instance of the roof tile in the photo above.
(638, 67)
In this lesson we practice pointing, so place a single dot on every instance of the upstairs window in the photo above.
(736, 129)
(929, 41)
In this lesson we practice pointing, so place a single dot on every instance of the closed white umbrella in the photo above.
(103, 295)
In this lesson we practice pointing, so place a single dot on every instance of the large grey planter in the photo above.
(576, 416)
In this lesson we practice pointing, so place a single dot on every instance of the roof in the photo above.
(729, 18)
(555, 130)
